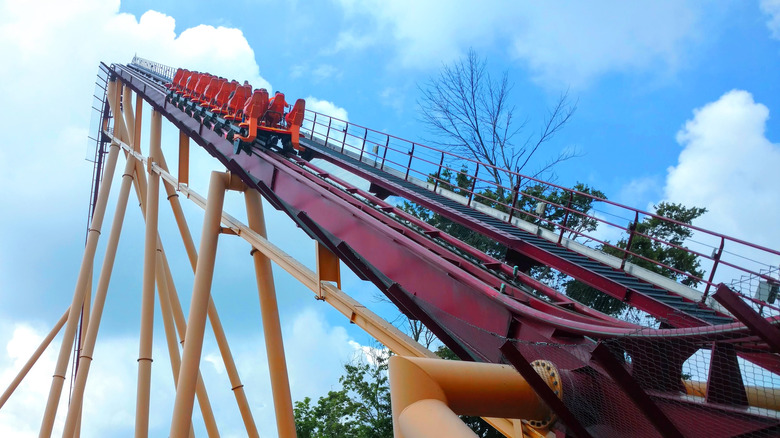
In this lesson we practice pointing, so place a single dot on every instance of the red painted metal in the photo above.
(764, 329)
(712, 271)
(631, 387)
(523, 366)
(724, 383)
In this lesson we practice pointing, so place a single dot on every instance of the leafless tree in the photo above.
(471, 114)
(420, 333)
(412, 327)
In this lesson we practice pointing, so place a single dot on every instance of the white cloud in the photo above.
(575, 43)
(370, 355)
(729, 166)
(394, 98)
(215, 360)
(572, 43)
(348, 40)
(322, 72)
(638, 190)
(326, 107)
(772, 9)
(325, 71)
(316, 353)
(21, 415)
(109, 410)
(425, 33)
(56, 48)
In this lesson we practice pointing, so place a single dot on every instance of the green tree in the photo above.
(458, 183)
(563, 208)
(360, 409)
(645, 247)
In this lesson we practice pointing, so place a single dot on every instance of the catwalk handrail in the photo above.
(383, 149)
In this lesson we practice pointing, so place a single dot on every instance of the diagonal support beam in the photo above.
(58, 379)
(88, 347)
(631, 387)
(752, 320)
(33, 358)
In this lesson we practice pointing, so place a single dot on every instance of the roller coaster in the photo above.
(700, 361)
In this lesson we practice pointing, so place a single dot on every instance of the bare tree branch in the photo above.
(470, 113)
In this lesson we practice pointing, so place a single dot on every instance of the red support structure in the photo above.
(758, 325)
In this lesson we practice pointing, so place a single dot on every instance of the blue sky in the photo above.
(676, 100)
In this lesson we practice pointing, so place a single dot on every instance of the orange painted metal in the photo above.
(294, 121)
(448, 388)
(219, 106)
(235, 105)
(275, 112)
(254, 109)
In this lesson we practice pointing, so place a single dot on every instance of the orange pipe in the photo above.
(758, 396)
(467, 388)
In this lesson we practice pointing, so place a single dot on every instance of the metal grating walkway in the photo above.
(400, 186)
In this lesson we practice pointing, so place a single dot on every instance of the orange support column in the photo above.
(147, 293)
(272, 331)
(58, 379)
(184, 158)
(85, 361)
(196, 322)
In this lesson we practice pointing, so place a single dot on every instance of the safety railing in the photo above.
(155, 67)
(572, 214)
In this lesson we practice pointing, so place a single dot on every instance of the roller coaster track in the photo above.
(483, 308)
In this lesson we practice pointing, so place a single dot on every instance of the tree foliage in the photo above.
(360, 409)
(562, 208)
(645, 247)
(654, 228)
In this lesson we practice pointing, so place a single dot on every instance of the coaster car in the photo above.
(244, 116)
